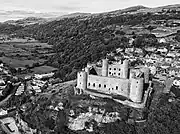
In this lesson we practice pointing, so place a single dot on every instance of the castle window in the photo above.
(80, 83)
(99, 85)
(104, 86)
(114, 73)
(119, 69)
(88, 84)
(80, 75)
(93, 84)
(114, 68)
(109, 72)
(116, 87)
(109, 68)
(137, 81)
(118, 73)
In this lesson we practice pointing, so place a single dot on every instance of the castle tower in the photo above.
(125, 69)
(105, 67)
(132, 74)
(87, 70)
(136, 90)
(146, 72)
(82, 80)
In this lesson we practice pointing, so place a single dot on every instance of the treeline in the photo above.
(9, 29)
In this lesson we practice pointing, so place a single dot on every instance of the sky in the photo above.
(30, 7)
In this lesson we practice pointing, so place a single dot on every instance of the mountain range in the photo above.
(28, 17)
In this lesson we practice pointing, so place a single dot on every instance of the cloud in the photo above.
(68, 8)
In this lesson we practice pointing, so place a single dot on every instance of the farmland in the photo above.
(20, 53)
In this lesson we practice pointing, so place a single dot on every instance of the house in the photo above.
(177, 54)
(43, 76)
(155, 58)
(118, 50)
(131, 41)
(176, 82)
(2, 82)
(165, 65)
(150, 61)
(178, 65)
(150, 49)
(162, 50)
(8, 124)
(172, 54)
(1, 65)
(117, 58)
(162, 40)
(20, 90)
(129, 50)
(148, 56)
(138, 50)
(153, 70)
(169, 59)
(175, 89)
(177, 48)
(110, 54)
(173, 71)
(19, 69)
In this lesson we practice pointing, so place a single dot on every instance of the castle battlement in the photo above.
(115, 79)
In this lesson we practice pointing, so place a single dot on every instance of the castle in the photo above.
(115, 80)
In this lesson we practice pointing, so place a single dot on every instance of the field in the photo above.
(16, 62)
(19, 54)
(43, 69)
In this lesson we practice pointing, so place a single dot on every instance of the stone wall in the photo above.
(115, 79)
(109, 85)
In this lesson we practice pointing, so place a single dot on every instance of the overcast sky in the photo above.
(70, 6)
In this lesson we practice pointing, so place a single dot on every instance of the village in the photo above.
(107, 72)
(163, 65)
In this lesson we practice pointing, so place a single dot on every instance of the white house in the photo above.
(176, 82)
(172, 54)
(162, 40)
(165, 65)
(174, 71)
(162, 50)
(169, 59)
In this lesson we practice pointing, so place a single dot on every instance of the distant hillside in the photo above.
(142, 9)
(73, 15)
(36, 20)
(160, 9)
(27, 21)
(53, 16)
(80, 38)
(129, 10)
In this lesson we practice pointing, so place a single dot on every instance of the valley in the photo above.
(80, 73)
(26, 56)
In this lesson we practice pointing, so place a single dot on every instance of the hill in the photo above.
(88, 38)
(78, 14)
(35, 19)
(81, 38)
(26, 21)
(129, 10)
